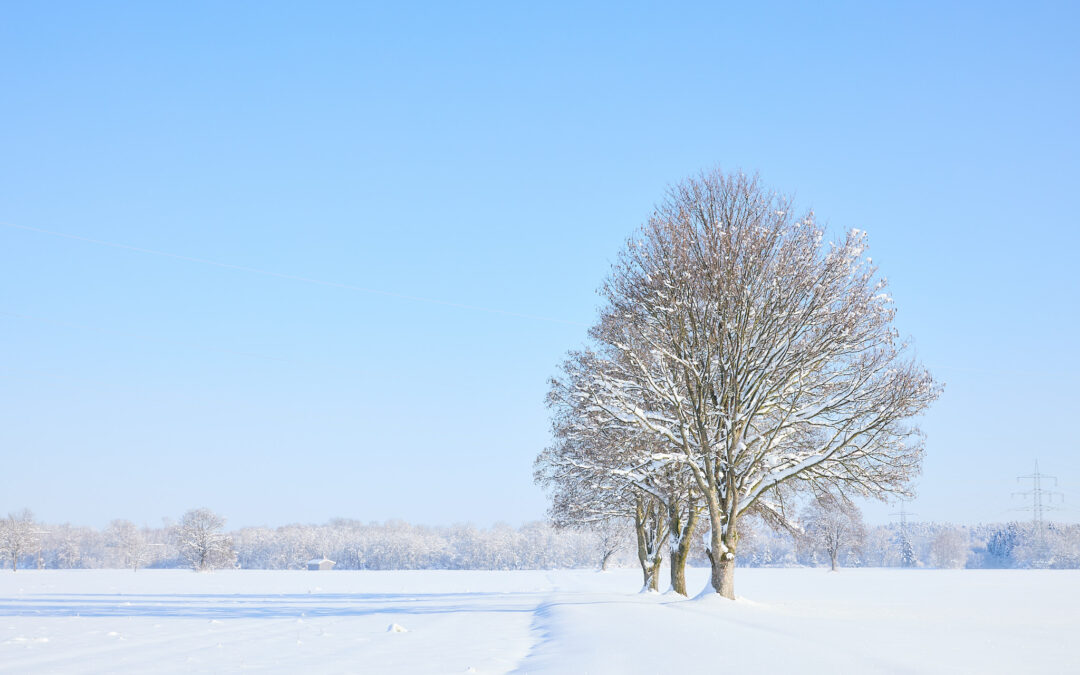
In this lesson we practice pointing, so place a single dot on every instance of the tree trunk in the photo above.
(652, 575)
(606, 559)
(650, 530)
(722, 554)
(832, 558)
(723, 576)
(650, 561)
(682, 533)
(678, 568)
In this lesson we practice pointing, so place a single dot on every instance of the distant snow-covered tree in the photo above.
(69, 554)
(880, 548)
(1003, 541)
(128, 542)
(949, 548)
(612, 536)
(201, 542)
(833, 525)
(908, 557)
(1066, 546)
(18, 536)
(297, 545)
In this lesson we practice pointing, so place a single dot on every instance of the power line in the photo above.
(291, 277)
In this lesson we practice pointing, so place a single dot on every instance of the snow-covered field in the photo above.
(790, 620)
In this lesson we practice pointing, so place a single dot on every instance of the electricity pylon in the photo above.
(1038, 493)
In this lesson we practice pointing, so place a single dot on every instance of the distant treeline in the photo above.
(927, 544)
(352, 545)
(398, 545)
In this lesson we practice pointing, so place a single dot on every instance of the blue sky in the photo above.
(493, 156)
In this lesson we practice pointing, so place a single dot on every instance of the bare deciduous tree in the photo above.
(611, 537)
(596, 471)
(68, 554)
(760, 357)
(201, 542)
(950, 547)
(832, 524)
(129, 543)
(651, 528)
(18, 536)
(587, 494)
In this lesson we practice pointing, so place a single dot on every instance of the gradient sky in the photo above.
(493, 156)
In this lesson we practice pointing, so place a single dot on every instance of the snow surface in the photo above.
(788, 620)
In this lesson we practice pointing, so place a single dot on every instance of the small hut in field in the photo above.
(316, 565)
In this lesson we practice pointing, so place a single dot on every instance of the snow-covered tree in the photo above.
(833, 525)
(69, 554)
(585, 494)
(596, 470)
(128, 542)
(950, 548)
(650, 526)
(684, 511)
(759, 357)
(298, 545)
(540, 545)
(1065, 545)
(761, 544)
(201, 542)
(1003, 542)
(908, 557)
(18, 536)
(611, 537)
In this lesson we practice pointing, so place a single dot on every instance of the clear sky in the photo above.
(492, 156)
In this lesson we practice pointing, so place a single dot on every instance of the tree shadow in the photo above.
(263, 605)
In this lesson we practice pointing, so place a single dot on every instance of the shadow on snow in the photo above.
(261, 606)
